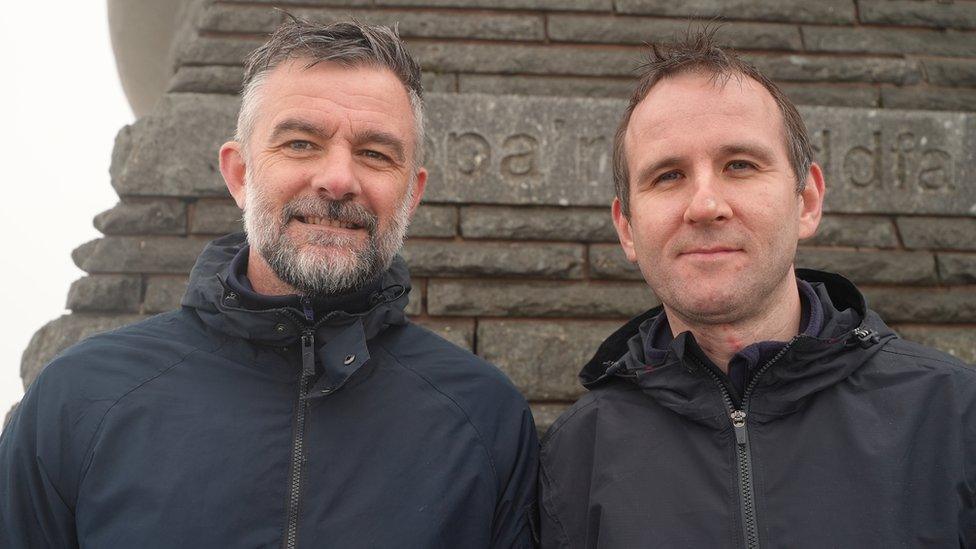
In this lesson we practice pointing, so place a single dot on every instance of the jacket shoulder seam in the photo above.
(558, 425)
(954, 365)
(90, 451)
(467, 417)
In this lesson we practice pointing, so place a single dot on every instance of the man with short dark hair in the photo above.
(289, 403)
(758, 406)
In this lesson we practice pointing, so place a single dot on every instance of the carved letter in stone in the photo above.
(935, 170)
(592, 158)
(522, 158)
(862, 165)
(903, 147)
(468, 153)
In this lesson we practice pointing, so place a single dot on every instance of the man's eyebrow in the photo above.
(298, 126)
(649, 170)
(396, 145)
(755, 150)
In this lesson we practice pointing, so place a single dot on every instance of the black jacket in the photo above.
(852, 439)
(221, 425)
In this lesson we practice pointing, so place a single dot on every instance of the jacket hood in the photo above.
(851, 334)
(221, 308)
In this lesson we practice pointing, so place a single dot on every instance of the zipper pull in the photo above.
(308, 353)
(865, 337)
(738, 418)
(307, 308)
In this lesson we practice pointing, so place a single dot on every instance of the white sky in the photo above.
(61, 105)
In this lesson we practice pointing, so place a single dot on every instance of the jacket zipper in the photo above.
(738, 415)
(298, 442)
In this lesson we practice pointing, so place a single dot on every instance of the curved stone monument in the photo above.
(513, 254)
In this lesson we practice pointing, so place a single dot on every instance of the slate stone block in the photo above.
(156, 217)
(854, 231)
(958, 342)
(565, 224)
(207, 79)
(935, 233)
(609, 261)
(164, 293)
(833, 95)
(951, 305)
(132, 254)
(520, 150)
(434, 221)
(545, 414)
(458, 332)
(174, 151)
(522, 59)
(888, 161)
(416, 298)
(958, 15)
(957, 269)
(929, 98)
(882, 40)
(439, 82)
(537, 299)
(543, 359)
(436, 24)
(61, 333)
(242, 19)
(640, 30)
(826, 11)
(575, 5)
(563, 86)
(951, 72)
(876, 267)
(486, 259)
(831, 68)
(216, 51)
(215, 216)
(105, 293)
(298, 2)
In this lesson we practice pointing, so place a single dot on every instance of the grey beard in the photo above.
(313, 272)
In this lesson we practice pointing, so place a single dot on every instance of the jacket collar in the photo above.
(849, 336)
(339, 334)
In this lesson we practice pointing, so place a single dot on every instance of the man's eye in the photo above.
(299, 146)
(375, 155)
(668, 177)
(738, 165)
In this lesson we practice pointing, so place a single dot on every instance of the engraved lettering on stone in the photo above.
(592, 158)
(903, 149)
(862, 165)
(934, 172)
(521, 152)
(469, 153)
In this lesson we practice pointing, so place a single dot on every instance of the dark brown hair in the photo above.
(699, 52)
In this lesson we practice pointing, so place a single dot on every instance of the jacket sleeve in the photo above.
(515, 515)
(33, 508)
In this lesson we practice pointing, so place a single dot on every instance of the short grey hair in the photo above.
(347, 43)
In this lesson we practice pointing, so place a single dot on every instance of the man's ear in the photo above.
(233, 168)
(811, 202)
(622, 225)
(419, 186)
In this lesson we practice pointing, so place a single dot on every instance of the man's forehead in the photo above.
(694, 102)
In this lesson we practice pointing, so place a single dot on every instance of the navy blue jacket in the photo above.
(850, 438)
(234, 423)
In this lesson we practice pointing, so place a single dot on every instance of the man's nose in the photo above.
(335, 176)
(707, 202)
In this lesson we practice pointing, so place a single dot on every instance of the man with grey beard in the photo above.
(289, 403)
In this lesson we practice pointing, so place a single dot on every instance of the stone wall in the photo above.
(513, 253)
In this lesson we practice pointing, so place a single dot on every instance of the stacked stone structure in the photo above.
(513, 253)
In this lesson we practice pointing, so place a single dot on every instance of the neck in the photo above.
(263, 279)
(779, 321)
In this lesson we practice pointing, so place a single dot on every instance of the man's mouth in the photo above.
(327, 222)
